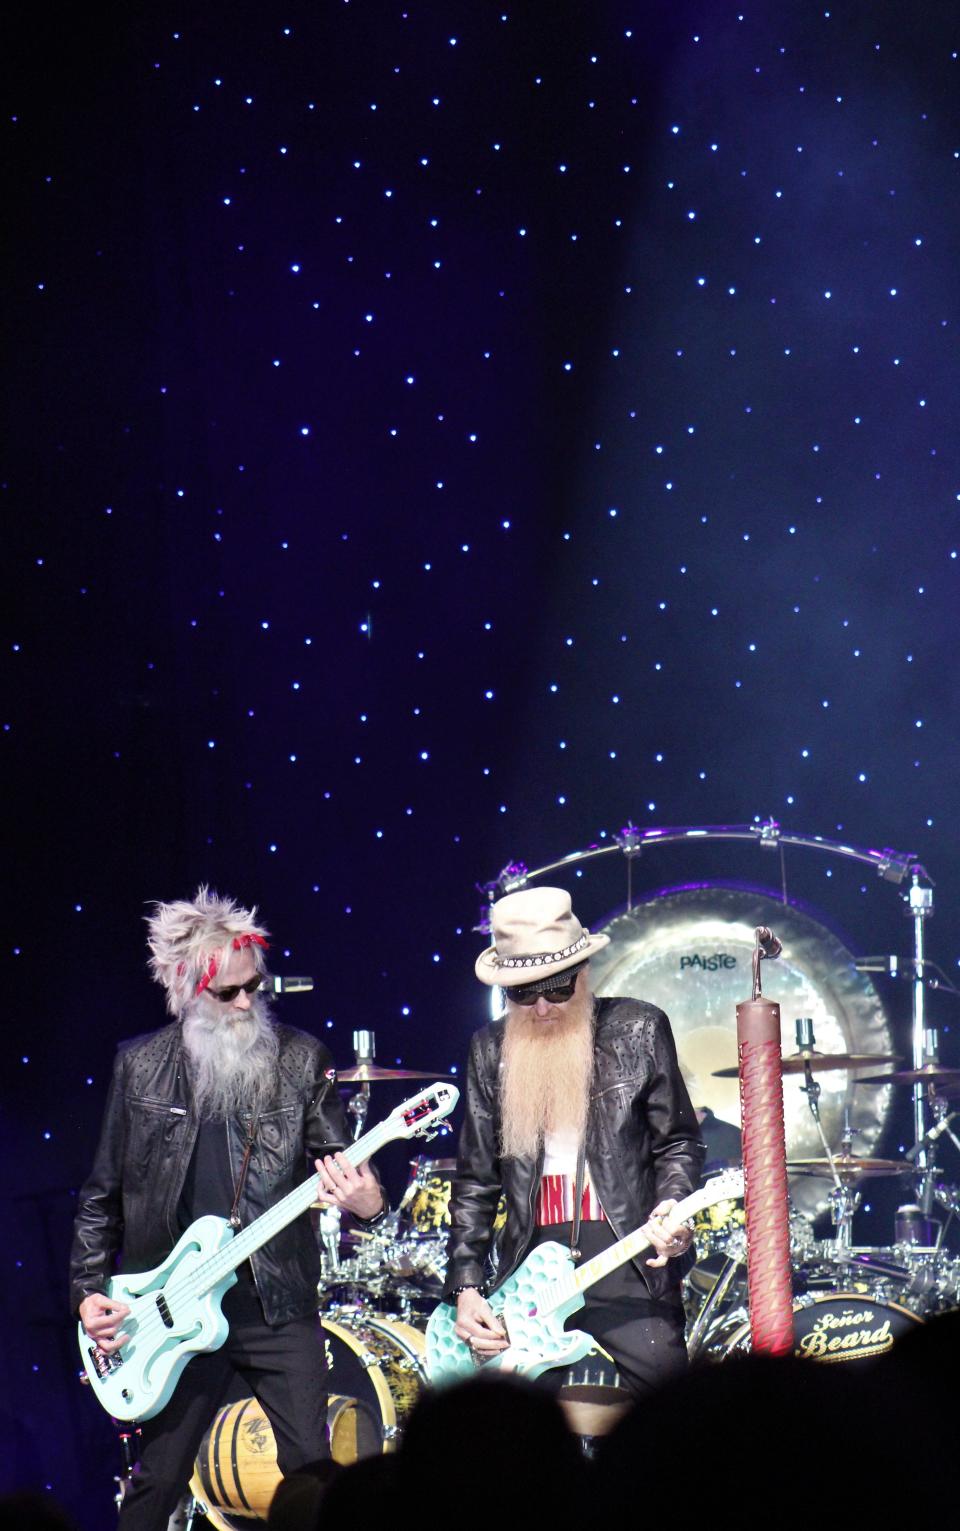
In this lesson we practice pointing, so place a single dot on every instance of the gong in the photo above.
(689, 950)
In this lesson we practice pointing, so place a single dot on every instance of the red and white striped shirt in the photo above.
(558, 1184)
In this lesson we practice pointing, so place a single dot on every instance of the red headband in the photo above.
(239, 943)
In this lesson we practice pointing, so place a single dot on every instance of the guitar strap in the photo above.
(581, 1169)
(251, 1131)
(578, 1199)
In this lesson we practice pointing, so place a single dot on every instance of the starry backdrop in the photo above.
(440, 434)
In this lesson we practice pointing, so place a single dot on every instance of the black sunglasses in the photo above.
(231, 990)
(557, 994)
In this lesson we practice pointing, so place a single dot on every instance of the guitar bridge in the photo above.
(104, 1364)
(480, 1357)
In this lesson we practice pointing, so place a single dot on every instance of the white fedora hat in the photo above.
(535, 934)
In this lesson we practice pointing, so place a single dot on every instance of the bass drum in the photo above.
(375, 1370)
(837, 1326)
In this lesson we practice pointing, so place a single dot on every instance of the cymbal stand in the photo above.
(364, 1051)
(919, 902)
(929, 1190)
(358, 1105)
(844, 1199)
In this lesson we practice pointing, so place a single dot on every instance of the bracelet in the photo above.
(368, 1222)
(468, 1286)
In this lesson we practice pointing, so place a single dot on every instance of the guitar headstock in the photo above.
(423, 1112)
(727, 1186)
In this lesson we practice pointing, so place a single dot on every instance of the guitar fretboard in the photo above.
(244, 1244)
(726, 1187)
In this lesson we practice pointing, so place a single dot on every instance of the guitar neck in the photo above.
(724, 1187)
(609, 1260)
(245, 1243)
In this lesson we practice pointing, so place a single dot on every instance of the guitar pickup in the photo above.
(164, 1311)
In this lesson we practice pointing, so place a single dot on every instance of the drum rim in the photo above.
(372, 1367)
(399, 1329)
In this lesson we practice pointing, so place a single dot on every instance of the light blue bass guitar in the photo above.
(175, 1309)
(536, 1301)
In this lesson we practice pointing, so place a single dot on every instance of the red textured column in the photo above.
(769, 1285)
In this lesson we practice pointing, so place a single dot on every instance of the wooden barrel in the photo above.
(236, 1467)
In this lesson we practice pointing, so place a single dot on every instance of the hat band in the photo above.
(543, 959)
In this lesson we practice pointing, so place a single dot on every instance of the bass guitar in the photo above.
(175, 1309)
(535, 1302)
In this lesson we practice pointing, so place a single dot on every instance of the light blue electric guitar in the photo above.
(536, 1301)
(175, 1309)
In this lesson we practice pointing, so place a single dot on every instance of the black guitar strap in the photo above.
(578, 1199)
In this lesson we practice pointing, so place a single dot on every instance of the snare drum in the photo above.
(375, 1367)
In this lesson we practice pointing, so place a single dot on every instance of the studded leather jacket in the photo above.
(128, 1205)
(643, 1145)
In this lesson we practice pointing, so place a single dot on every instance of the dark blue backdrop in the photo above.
(439, 434)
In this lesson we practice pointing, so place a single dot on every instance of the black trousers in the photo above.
(283, 1367)
(645, 1339)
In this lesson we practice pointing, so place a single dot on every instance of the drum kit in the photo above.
(689, 948)
(850, 1302)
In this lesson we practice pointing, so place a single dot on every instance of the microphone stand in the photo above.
(364, 1050)
(358, 1105)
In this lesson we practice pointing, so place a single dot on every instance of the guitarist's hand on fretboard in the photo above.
(102, 1318)
(352, 1187)
(669, 1236)
(478, 1325)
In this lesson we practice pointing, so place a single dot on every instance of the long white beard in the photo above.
(545, 1081)
(233, 1060)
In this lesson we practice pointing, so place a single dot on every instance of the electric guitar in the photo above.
(536, 1301)
(175, 1309)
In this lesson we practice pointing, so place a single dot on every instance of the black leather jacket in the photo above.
(643, 1145)
(146, 1142)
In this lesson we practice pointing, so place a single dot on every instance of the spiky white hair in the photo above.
(184, 935)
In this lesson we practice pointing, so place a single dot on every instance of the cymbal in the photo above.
(795, 1063)
(931, 1073)
(849, 1167)
(372, 1073)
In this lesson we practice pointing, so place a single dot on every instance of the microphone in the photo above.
(290, 985)
(931, 1136)
(767, 941)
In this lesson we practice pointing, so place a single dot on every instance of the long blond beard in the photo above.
(545, 1080)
